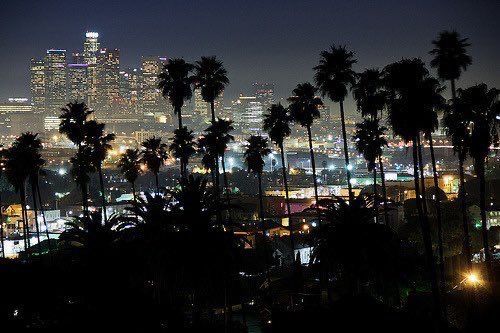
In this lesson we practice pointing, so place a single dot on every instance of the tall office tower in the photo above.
(128, 90)
(90, 49)
(264, 93)
(37, 85)
(250, 114)
(150, 99)
(201, 108)
(108, 82)
(78, 82)
(55, 81)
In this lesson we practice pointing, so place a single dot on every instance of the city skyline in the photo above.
(273, 48)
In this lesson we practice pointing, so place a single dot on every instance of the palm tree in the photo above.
(369, 140)
(277, 125)
(74, 116)
(371, 99)
(404, 81)
(130, 167)
(23, 159)
(450, 59)
(255, 152)
(303, 110)
(456, 125)
(211, 77)
(81, 169)
(219, 134)
(183, 147)
(175, 84)
(334, 76)
(99, 143)
(154, 154)
(484, 115)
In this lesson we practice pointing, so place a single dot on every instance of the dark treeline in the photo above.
(178, 260)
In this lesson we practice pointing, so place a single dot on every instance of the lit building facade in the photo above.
(55, 81)
(108, 82)
(37, 85)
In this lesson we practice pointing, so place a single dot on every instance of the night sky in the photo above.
(275, 41)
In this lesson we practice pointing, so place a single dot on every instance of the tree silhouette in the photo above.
(100, 144)
(450, 59)
(369, 140)
(81, 169)
(484, 114)
(183, 147)
(277, 125)
(334, 76)
(404, 82)
(303, 110)
(371, 99)
(211, 77)
(130, 167)
(154, 154)
(175, 84)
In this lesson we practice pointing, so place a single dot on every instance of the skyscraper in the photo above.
(264, 93)
(249, 114)
(108, 82)
(37, 85)
(78, 82)
(90, 50)
(55, 81)
(150, 96)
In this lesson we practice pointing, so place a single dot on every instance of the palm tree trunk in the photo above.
(422, 177)
(42, 210)
(212, 110)
(157, 184)
(384, 191)
(375, 194)
(85, 199)
(346, 151)
(262, 221)
(103, 194)
(1, 228)
(437, 202)
(313, 165)
(426, 234)
(226, 185)
(22, 194)
(35, 210)
(484, 227)
(287, 199)
(179, 116)
(463, 208)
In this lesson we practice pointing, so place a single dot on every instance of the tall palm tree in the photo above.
(130, 167)
(484, 113)
(154, 154)
(450, 59)
(255, 152)
(211, 77)
(81, 169)
(100, 144)
(456, 125)
(175, 84)
(304, 109)
(22, 160)
(369, 140)
(371, 99)
(219, 134)
(404, 80)
(183, 147)
(334, 76)
(277, 125)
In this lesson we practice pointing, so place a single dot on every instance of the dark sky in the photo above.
(276, 41)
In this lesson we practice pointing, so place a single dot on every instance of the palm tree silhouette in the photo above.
(183, 147)
(303, 110)
(175, 84)
(450, 59)
(369, 140)
(334, 76)
(23, 159)
(371, 99)
(484, 115)
(99, 143)
(81, 169)
(211, 77)
(277, 125)
(218, 134)
(130, 167)
(154, 154)
(404, 82)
